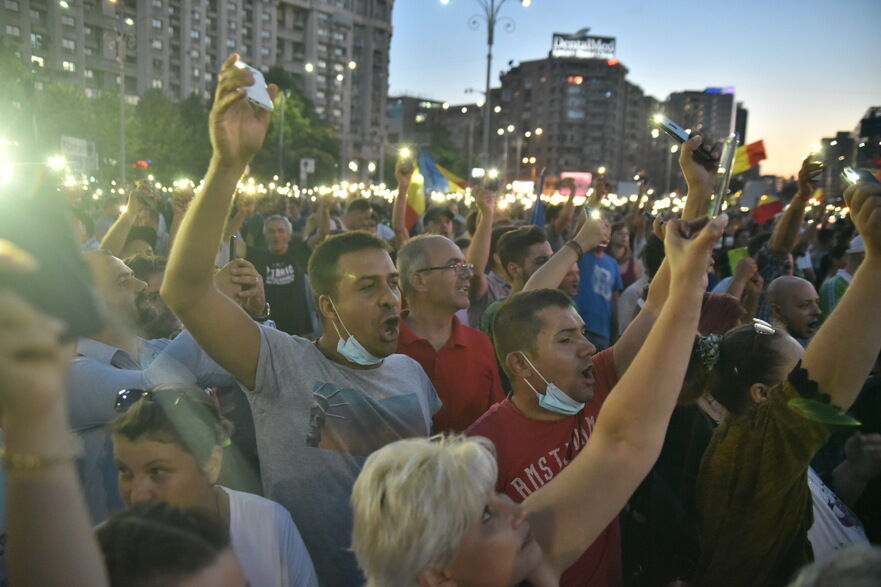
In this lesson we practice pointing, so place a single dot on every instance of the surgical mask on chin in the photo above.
(554, 399)
(350, 348)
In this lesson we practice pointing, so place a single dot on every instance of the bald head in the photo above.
(795, 305)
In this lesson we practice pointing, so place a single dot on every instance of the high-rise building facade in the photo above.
(339, 50)
(710, 112)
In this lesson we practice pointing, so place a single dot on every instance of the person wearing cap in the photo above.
(439, 220)
(834, 287)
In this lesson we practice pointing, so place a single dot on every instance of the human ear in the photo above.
(326, 307)
(214, 464)
(758, 392)
(434, 578)
(517, 365)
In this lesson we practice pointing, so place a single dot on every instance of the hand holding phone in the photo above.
(853, 176)
(258, 94)
(701, 154)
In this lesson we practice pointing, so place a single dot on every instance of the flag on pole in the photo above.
(428, 177)
(748, 156)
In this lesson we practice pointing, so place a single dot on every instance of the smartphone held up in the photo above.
(258, 93)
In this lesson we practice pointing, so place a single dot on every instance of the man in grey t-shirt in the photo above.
(319, 408)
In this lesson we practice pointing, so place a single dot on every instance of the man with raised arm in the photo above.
(319, 408)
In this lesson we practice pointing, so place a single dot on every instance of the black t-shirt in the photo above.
(284, 277)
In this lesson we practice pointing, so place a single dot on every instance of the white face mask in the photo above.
(553, 399)
(350, 348)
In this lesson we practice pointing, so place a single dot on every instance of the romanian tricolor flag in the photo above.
(428, 177)
(748, 156)
(767, 208)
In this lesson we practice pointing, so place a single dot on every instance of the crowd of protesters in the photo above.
(287, 392)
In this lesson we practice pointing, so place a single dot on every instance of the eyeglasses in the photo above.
(126, 398)
(461, 268)
(762, 327)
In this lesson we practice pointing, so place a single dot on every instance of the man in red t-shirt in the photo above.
(459, 360)
(558, 387)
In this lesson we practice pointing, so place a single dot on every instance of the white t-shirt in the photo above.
(835, 525)
(267, 543)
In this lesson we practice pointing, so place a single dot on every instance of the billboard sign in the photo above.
(582, 47)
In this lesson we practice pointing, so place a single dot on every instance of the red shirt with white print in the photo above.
(532, 452)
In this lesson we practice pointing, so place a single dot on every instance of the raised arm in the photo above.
(844, 349)
(785, 234)
(593, 233)
(115, 237)
(49, 540)
(322, 216)
(217, 323)
(564, 218)
(399, 210)
(631, 426)
(478, 251)
(699, 178)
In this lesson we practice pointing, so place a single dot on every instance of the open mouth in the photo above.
(389, 328)
(588, 376)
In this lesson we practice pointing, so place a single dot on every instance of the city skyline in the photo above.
(776, 81)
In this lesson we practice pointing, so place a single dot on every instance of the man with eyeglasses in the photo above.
(459, 360)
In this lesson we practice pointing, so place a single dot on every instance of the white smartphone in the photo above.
(257, 93)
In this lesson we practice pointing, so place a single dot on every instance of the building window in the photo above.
(232, 25)
(13, 30)
(194, 34)
(157, 24)
(68, 66)
(90, 74)
(68, 44)
(194, 53)
(67, 20)
(157, 43)
(88, 51)
(157, 83)
(196, 72)
(90, 93)
(197, 15)
(265, 34)
(265, 51)
(231, 6)
(230, 43)
(11, 5)
(265, 16)
(157, 3)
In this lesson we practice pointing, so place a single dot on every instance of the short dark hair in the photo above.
(756, 242)
(498, 232)
(144, 266)
(514, 245)
(323, 272)
(142, 233)
(516, 325)
(471, 222)
(177, 413)
(359, 205)
(156, 543)
(88, 223)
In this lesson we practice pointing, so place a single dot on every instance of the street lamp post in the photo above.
(491, 9)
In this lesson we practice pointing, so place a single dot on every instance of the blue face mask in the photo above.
(554, 399)
(350, 348)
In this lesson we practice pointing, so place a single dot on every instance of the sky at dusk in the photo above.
(804, 69)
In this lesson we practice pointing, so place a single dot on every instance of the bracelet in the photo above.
(576, 247)
(34, 462)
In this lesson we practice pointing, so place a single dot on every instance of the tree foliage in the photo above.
(36, 113)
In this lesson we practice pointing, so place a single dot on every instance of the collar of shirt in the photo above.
(407, 336)
(842, 273)
(147, 351)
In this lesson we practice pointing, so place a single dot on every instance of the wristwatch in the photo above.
(265, 315)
